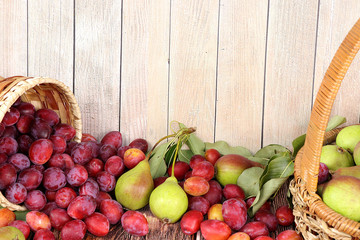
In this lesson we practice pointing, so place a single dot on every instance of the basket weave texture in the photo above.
(314, 219)
(42, 93)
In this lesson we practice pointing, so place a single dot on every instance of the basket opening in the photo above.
(48, 95)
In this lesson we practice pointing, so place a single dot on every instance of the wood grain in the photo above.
(97, 64)
(51, 39)
(333, 27)
(193, 54)
(241, 64)
(144, 71)
(13, 40)
(289, 70)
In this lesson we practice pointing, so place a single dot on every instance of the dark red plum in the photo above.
(64, 196)
(233, 191)
(7, 175)
(234, 212)
(135, 223)
(58, 218)
(94, 167)
(35, 200)
(8, 145)
(190, 222)
(73, 230)
(16, 193)
(81, 207)
(112, 210)
(64, 130)
(200, 204)
(115, 166)
(268, 218)
(212, 155)
(140, 143)
(180, 169)
(195, 159)
(284, 215)
(113, 138)
(31, 178)
(215, 229)
(48, 115)
(53, 179)
(97, 224)
(255, 229)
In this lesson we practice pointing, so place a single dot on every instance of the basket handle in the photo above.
(309, 166)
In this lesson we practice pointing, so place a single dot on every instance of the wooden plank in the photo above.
(144, 72)
(289, 70)
(51, 39)
(193, 55)
(97, 64)
(13, 41)
(241, 67)
(336, 18)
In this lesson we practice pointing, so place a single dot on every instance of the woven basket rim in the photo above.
(22, 84)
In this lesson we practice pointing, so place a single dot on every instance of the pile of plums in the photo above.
(65, 185)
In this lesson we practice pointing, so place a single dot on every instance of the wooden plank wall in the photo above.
(242, 71)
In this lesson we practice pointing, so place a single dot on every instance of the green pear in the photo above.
(11, 233)
(134, 187)
(168, 201)
(342, 195)
(320, 188)
(229, 167)
(348, 137)
(335, 157)
(353, 171)
(356, 154)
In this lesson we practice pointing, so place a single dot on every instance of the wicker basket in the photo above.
(42, 93)
(314, 219)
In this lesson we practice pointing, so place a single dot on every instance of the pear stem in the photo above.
(175, 155)
(157, 143)
(180, 136)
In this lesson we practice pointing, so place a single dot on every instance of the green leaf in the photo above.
(169, 155)
(281, 154)
(270, 150)
(277, 168)
(21, 215)
(269, 188)
(224, 148)
(196, 145)
(249, 181)
(157, 163)
(263, 161)
(335, 121)
(298, 143)
(185, 155)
